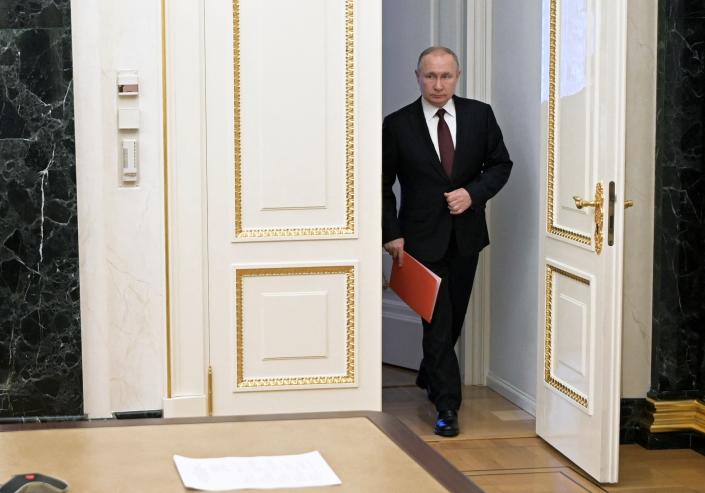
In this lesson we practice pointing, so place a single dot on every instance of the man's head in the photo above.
(437, 73)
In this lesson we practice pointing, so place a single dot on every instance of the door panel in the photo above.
(293, 106)
(580, 320)
(570, 299)
(291, 61)
(295, 327)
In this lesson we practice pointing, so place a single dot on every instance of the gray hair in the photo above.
(435, 49)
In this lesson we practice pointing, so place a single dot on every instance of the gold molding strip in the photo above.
(300, 233)
(548, 336)
(210, 391)
(599, 216)
(350, 361)
(668, 416)
(167, 260)
(552, 63)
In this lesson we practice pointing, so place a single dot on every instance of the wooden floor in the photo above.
(498, 449)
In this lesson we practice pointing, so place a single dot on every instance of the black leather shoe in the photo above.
(447, 424)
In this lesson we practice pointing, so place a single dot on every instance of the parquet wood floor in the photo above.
(499, 450)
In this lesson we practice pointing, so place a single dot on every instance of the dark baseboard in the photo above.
(41, 419)
(630, 420)
(671, 440)
(639, 416)
(156, 413)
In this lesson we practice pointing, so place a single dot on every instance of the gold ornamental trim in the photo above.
(300, 233)
(667, 416)
(599, 216)
(350, 362)
(552, 69)
(548, 336)
(165, 177)
(210, 391)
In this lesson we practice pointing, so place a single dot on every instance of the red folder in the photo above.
(416, 285)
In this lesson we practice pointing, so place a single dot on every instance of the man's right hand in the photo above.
(395, 248)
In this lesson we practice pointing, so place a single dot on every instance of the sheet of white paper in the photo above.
(264, 472)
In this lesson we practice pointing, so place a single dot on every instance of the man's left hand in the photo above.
(458, 201)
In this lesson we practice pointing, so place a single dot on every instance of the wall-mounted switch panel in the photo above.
(129, 160)
(128, 125)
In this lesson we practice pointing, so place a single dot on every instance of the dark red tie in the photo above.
(445, 143)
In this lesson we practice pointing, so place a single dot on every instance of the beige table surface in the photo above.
(139, 457)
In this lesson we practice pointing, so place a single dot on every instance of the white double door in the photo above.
(282, 102)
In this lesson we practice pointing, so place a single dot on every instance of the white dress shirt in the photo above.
(429, 112)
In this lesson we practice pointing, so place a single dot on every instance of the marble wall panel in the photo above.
(40, 337)
(678, 352)
(640, 123)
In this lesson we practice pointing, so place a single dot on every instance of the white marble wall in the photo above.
(121, 237)
(639, 220)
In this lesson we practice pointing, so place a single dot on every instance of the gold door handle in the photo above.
(580, 202)
(599, 215)
(628, 204)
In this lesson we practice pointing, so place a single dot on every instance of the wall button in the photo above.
(128, 119)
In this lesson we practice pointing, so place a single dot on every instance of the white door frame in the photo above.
(478, 79)
(187, 351)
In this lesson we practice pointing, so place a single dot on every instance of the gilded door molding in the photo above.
(548, 336)
(551, 226)
(242, 381)
(348, 228)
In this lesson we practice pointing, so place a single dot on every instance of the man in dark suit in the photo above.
(450, 159)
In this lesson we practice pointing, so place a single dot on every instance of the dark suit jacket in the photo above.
(481, 166)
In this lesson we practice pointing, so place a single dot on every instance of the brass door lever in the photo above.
(580, 202)
(599, 215)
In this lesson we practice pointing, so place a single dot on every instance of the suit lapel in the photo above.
(421, 129)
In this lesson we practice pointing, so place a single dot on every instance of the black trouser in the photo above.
(439, 371)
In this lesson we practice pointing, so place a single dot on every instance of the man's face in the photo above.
(437, 76)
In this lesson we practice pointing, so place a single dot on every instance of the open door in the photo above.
(293, 125)
(581, 249)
